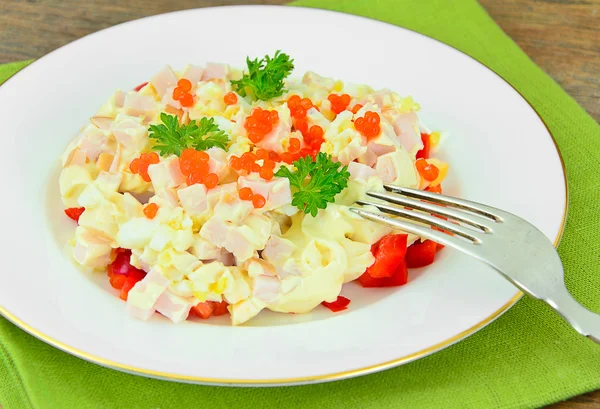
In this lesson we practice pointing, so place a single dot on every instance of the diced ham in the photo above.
(204, 249)
(172, 106)
(257, 267)
(137, 104)
(406, 128)
(130, 133)
(164, 79)
(397, 167)
(174, 307)
(142, 298)
(166, 174)
(226, 258)
(214, 195)
(102, 122)
(169, 195)
(109, 182)
(193, 199)
(216, 71)
(233, 210)
(119, 98)
(360, 171)
(382, 98)
(92, 141)
(276, 191)
(143, 314)
(218, 161)
(193, 73)
(278, 249)
(238, 243)
(90, 250)
(114, 166)
(375, 150)
(266, 288)
(386, 169)
(242, 240)
(76, 157)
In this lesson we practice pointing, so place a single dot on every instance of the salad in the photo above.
(216, 191)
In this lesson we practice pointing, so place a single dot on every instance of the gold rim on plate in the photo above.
(316, 378)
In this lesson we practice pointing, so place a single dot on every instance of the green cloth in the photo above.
(527, 358)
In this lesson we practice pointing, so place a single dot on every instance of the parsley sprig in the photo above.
(316, 182)
(172, 137)
(264, 79)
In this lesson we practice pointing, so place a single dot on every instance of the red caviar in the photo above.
(211, 180)
(182, 94)
(235, 163)
(248, 162)
(356, 108)
(140, 165)
(260, 123)
(246, 193)
(266, 173)
(150, 210)
(294, 145)
(368, 125)
(230, 98)
(186, 100)
(428, 171)
(258, 201)
(194, 165)
(339, 103)
(184, 84)
(195, 177)
(299, 106)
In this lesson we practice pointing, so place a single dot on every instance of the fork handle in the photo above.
(584, 321)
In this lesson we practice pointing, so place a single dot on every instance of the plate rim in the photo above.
(305, 379)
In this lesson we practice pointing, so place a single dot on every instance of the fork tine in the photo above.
(410, 227)
(424, 218)
(467, 218)
(478, 208)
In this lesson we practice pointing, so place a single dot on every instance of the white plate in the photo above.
(499, 150)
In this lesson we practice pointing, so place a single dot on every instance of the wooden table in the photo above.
(561, 36)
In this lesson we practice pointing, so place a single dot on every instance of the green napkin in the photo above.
(527, 358)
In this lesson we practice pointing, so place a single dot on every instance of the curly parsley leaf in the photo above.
(316, 182)
(264, 79)
(207, 134)
(172, 137)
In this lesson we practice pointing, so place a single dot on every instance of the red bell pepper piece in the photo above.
(421, 254)
(208, 309)
(398, 278)
(389, 268)
(338, 305)
(203, 309)
(220, 308)
(139, 87)
(74, 212)
(389, 253)
(424, 153)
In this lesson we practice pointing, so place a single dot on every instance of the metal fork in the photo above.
(513, 247)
